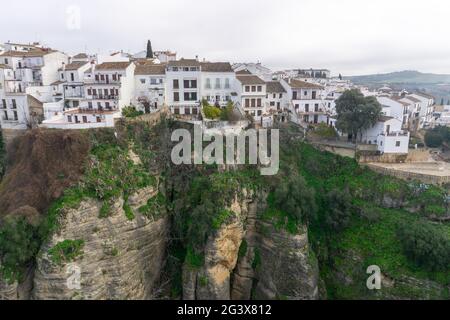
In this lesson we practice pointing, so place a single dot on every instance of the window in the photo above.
(4, 103)
(14, 105)
(175, 69)
(398, 144)
(176, 96)
(193, 68)
(99, 119)
(305, 93)
(186, 69)
(69, 118)
(112, 92)
(176, 84)
(153, 81)
(107, 105)
(114, 77)
(89, 92)
(99, 106)
(102, 77)
(94, 92)
(259, 113)
(190, 96)
(272, 103)
(253, 88)
(72, 77)
(208, 83)
(218, 84)
(85, 119)
(294, 95)
(105, 91)
(62, 75)
(15, 116)
(281, 95)
(253, 103)
(274, 95)
(259, 103)
(247, 103)
(259, 88)
(90, 105)
(6, 61)
(143, 81)
(227, 83)
(306, 107)
(247, 88)
(316, 107)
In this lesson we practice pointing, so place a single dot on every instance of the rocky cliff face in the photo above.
(243, 262)
(121, 259)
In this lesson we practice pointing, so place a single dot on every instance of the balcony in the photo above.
(29, 66)
(104, 97)
(395, 134)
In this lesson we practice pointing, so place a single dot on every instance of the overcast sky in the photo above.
(346, 36)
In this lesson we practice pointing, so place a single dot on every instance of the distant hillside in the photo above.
(402, 77)
(437, 85)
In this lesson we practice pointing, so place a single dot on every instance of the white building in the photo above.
(71, 78)
(256, 69)
(25, 73)
(306, 101)
(252, 91)
(108, 89)
(395, 108)
(183, 86)
(388, 135)
(218, 82)
(277, 98)
(426, 107)
(150, 87)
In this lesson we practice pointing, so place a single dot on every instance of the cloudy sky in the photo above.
(346, 36)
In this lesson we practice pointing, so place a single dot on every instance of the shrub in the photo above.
(340, 210)
(2, 156)
(131, 112)
(427, 246)
(66, 251)
(212, 112)
(325, 131)
(19, 244)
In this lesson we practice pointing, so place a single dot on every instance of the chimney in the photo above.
(196, 57)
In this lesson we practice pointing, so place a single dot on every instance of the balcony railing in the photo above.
(395, 134)
(104, 97)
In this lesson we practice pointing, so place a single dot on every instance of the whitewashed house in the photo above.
(25, 73)
(72, 78)
(252, 91)
(218, 82)
(150, 87)
(388, 135)
(306, 101)
(277, 98)
(426, 107)
(395, 108)
(109, 87)
(256, 69)
(183, 86)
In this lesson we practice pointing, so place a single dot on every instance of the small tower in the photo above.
(149, 50)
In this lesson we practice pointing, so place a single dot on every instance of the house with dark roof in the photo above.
(252, 91)
(306, 101)
(218, 82)
(277, 98)
(150, 86)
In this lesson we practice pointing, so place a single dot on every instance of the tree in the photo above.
(442, 101)
(340, 76)
(356, 112)
(426, 245)
(149, 50)
(339, 210)
(295, 198)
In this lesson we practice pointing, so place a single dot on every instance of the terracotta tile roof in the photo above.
(275, 86)
(385, 118)
(297, 84)
(216, 67)
(425, 95)
(80, 56)
(399, 100)
(150, 69)
(74, 66)
(245, 71)
(250, 80)
(412, 99)
(56, 83)
(184, 63)
(24, 54)
(113, 66)
(4, 66)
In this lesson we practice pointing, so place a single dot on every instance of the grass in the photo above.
(66, 251)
